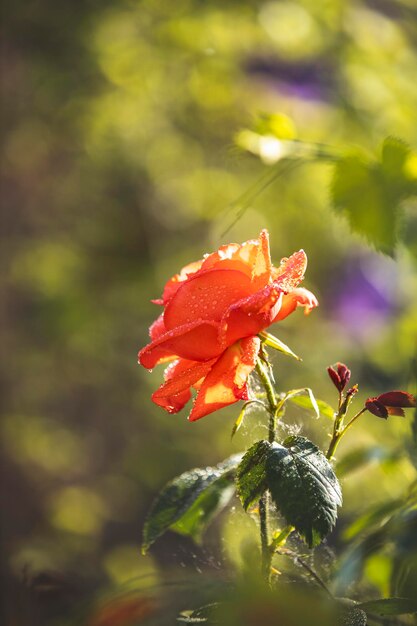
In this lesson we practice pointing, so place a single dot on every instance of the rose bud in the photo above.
(390, 403)
(340, 375)
(349, 397)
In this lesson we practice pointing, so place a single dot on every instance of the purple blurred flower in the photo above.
(364, 299)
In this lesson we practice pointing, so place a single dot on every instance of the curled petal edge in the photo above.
(180, 376)
(226, 383)
(297, 297)
(196, 341)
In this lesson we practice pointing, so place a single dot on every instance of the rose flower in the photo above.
(213, 311)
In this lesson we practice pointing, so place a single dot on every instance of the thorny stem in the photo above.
(264, 530)
(270, 394)
(267, 552)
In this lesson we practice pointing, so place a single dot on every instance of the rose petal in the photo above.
(297, 297)
(198, 341)
(261, 272)
(157, 329)
(206, 296)
(291, 271)
(179, 377)
(241, 257)
(224, 258)
(251, 315)
(397, 398)
(236, 256)
(226, 382)
(176, 281)
(251, 257)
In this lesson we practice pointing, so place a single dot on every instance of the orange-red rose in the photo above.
(213, 311)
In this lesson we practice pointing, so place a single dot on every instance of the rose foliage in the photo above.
(390, 403)
(214, 310)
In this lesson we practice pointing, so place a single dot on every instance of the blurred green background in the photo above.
(120, 166)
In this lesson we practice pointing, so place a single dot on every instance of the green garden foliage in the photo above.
(251, 474)
(370, 192)
(188, 503)
(304, 487)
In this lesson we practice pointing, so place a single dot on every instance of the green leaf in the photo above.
(395, 152)
(356, 190)
(205, 508)
(239, 420)
(277, 344)
(310, 399)
(390, 606)
(370, 192)
(353, 617)
(189, 502)
(305, 402)
(251, 473)
(303, 487)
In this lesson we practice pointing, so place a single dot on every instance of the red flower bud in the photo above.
(390, 403)
(352, 391)
(340, 375)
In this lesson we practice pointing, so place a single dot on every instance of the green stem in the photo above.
(354, 418)
(339, 431)
(264, 501)
(333, 444)
(264, 530)
(272, 401)
(281, 538)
